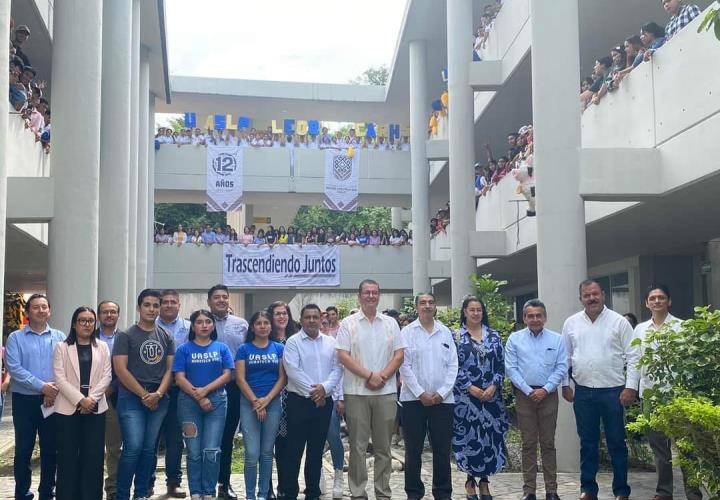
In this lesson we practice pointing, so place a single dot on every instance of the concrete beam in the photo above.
(437, 149)
(38, 189)
(486, 76)
(438, 269)
(488, 244)
(621, 174)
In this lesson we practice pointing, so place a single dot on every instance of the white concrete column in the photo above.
(396, 217)
(151, 192)
(561, 256)
(461, 126)
(142, 206)
(73, 237)
(4, 110)
(133, 178)
(419, 164)
(115, 152)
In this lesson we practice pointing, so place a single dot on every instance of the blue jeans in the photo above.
(337, 452)
(591, 406)
(172, 435)
(140, 428)
(259, 438)
(202, 433)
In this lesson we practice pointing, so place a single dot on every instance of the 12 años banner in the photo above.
(224, 178)
(281, 265)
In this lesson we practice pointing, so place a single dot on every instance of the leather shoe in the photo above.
(551, 496)
(531, 496)
(588, 496)
(174, 491)
(226, 492)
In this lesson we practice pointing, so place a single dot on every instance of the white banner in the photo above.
(342, 175)
(281, 265)
(224, 178)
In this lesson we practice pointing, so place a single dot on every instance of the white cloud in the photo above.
(328, 41)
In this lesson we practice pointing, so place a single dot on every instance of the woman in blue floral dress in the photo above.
(480, 421)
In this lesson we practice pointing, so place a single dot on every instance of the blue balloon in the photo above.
(437, 105)
(220, 122)
(289, 127)
(370, 130)
(190, 120)
(313, 127)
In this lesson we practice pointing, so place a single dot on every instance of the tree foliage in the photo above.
(190, 215)
(316, 216)
(684, 403)
(374, 75)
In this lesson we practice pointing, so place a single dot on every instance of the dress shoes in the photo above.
(588, 496)
(175, 491)
(552, 496)
(531, 496)
(226, 492)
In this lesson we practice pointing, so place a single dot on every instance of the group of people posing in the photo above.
(102, 391)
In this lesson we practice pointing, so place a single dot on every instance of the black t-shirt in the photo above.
(147, 353)
(85, 364)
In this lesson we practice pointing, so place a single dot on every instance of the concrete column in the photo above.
(713, 253)
(561, 256)
(142, 206)
(133, 179)
(115, 152)
(396, 217)
(420, 167)
(461, 126)
(73, 236)
(4, 110)
(151, 192)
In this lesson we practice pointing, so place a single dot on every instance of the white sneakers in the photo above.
(339, 484)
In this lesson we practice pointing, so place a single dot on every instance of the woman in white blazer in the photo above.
(82, 370)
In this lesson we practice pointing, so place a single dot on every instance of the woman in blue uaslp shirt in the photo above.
(261, 377)
(480, 421)
(202, 367)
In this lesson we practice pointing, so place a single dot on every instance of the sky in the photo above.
(323, 41)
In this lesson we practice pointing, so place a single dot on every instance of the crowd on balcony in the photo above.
(487, 22)
(439, 223)
(267, 139)
(252, 235)
(25, 92)
(517, 162)
(609, 70)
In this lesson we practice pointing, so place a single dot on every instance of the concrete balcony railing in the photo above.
(180, 175)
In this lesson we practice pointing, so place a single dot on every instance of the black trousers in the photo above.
(418, 420)
(307, 428)
(29, 423)
(231, 424)
(81, 456)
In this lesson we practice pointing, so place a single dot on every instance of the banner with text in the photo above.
(224, 178)
(342, 177)
(281, 265)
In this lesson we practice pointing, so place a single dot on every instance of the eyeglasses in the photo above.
(85, 322)
(280, 313)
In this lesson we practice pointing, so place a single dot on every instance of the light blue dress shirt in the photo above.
(29, 359)
(536, 360)
(231, 331)
(178, 328)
